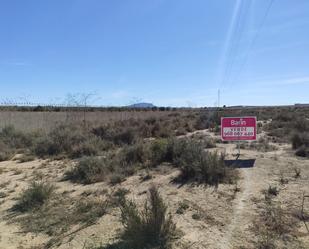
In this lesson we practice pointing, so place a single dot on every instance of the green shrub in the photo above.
(161, 151)
(300, 143)
(162, 129)
(34, 197)
(302, 151)
(194, 162)
(117, 134)
(186, 154)
(199, 165)
(150, 228)
(88, 170)
(59, 141)
(137, 153)
(127, 136)
(300, 139)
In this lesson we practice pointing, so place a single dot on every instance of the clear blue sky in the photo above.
(168, 52)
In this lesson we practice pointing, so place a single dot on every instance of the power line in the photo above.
(230, 52)
(237, 43)
(254, 39)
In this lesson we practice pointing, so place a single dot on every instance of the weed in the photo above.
(89, 210)
(283, 180)
(236, 188)
(182, 207)
(272, 190)
(121, 193)
(146, 177)
(116, 178)
(196, 216)
(297, 172)
(34, 197)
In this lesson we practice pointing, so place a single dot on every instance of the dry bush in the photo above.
(190, 157)
(302, 151)
(60, 215)
(300, 142)
(200, 166)
(89, 170)
(130, 130)
(16, 139)
(6, 153)
(119, 133)
(113, 166)
(135, 154)
(34, 197)
(274, 224)
(300, 139)
(284, 125)
(116, 178)
(262, 145)
(73, 141)
(12, 141)
(151, 227)
(206, 120)
(87, 211)
(126, 136)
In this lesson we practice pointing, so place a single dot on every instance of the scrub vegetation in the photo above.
(157, 181)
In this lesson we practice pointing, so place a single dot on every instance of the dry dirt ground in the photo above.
(216, 218)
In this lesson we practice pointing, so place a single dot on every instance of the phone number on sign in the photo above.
(238, 131)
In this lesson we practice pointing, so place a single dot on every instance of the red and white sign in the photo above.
(238, 128)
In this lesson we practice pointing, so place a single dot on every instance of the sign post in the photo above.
(238, 129)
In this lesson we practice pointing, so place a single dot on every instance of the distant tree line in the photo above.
(50, 108)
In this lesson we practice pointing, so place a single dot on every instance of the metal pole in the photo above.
(238, 147)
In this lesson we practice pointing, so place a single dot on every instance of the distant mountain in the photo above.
(141, 105)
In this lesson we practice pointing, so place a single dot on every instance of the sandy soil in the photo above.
(225, 215)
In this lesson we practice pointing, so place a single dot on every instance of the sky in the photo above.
(167, 52)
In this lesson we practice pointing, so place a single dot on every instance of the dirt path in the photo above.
(240, 220)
